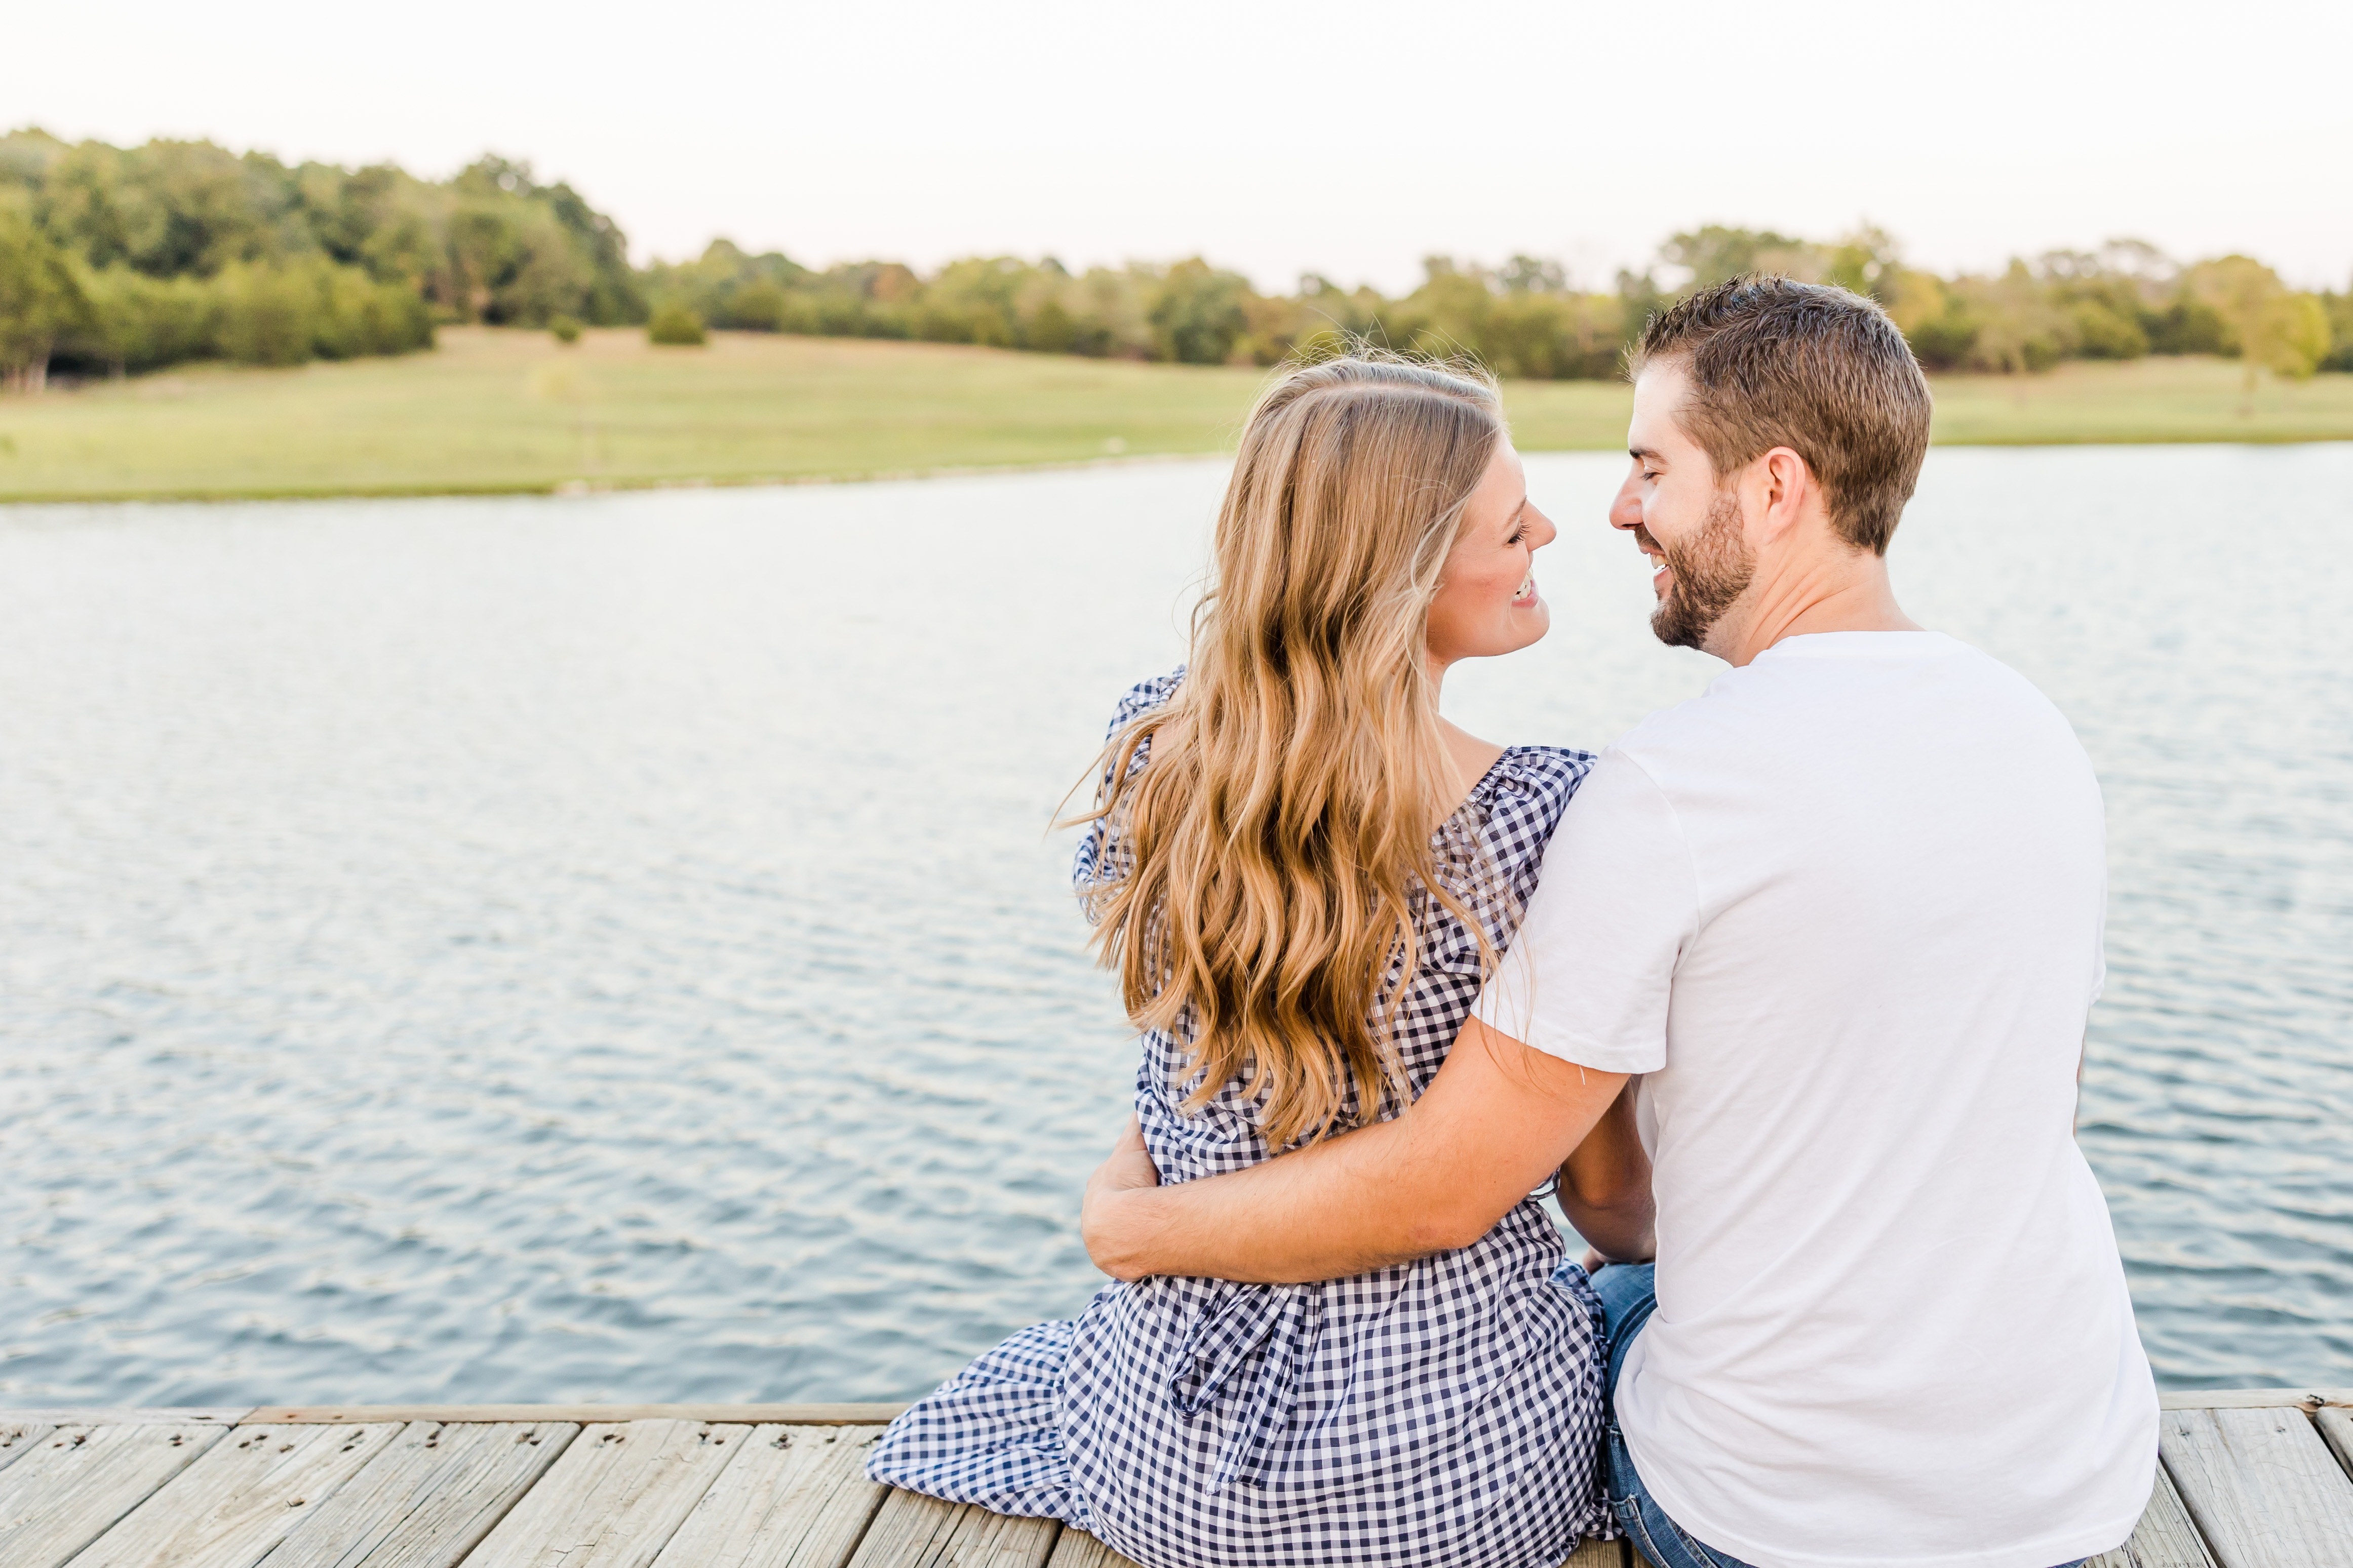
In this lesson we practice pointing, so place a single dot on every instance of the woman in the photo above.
(1301, 873)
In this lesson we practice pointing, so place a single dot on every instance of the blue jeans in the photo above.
(1628, 1296)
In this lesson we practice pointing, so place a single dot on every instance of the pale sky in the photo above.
(1278, 137)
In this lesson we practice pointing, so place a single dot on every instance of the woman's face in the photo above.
(1487, 602)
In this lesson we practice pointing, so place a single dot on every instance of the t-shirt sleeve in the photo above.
(1588, 974)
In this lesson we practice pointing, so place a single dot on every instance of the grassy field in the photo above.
(494, 410)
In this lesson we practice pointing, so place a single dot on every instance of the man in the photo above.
(1843, 914)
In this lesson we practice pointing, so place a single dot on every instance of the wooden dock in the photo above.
(2254, 1480)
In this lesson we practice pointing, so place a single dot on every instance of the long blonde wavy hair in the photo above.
(1266, 867)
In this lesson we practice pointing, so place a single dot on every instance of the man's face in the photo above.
(1688, 526)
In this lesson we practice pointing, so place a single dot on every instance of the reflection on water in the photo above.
(609, 948)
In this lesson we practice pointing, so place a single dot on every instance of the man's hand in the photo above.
(1496, 1121)
(1128, 1169)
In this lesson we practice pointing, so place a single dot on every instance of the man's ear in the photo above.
(1784, 488)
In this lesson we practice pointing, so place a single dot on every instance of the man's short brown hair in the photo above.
(1813, 368)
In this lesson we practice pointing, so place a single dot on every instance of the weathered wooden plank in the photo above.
(795, 1496)
(2336, 1429)
(1077, 1549)
(614, 1499)
(126, 1415)
(2246, 1398)
(911, 1531)
(18, 1438)
(586, 1414)
(905, 1527)
(427, 1499)
(79, 1480)
(2260, 1486)
(985, 1539)
(842, 1523)
(1601, 1554)
(2163, 1538)
(239, 1497)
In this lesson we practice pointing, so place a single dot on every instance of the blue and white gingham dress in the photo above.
(1444, 1413)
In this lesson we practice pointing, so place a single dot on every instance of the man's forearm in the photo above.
(1324, 1213)
(1493, 1123)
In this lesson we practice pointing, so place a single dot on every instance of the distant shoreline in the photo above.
(582, 490)
(508, 412)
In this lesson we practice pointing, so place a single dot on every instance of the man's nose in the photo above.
(1626, 511)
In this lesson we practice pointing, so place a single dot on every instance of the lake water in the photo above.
(610, 949)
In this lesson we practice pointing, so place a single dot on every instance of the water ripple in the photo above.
(610, 948)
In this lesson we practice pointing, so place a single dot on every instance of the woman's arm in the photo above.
(1605, 1185)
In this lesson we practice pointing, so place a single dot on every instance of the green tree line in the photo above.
(115, 259)
(127, 258)
(1529, 317)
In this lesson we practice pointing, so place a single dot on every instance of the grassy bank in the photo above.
(493, 410)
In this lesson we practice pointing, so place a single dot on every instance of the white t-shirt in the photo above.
(1845, 911)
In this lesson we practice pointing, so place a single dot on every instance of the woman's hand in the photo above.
(1106, 1221)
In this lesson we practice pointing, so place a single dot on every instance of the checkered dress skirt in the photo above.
(1443, 1413)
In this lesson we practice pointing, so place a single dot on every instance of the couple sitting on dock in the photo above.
(1782, 996)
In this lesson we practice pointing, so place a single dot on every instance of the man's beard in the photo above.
(1708, 574)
